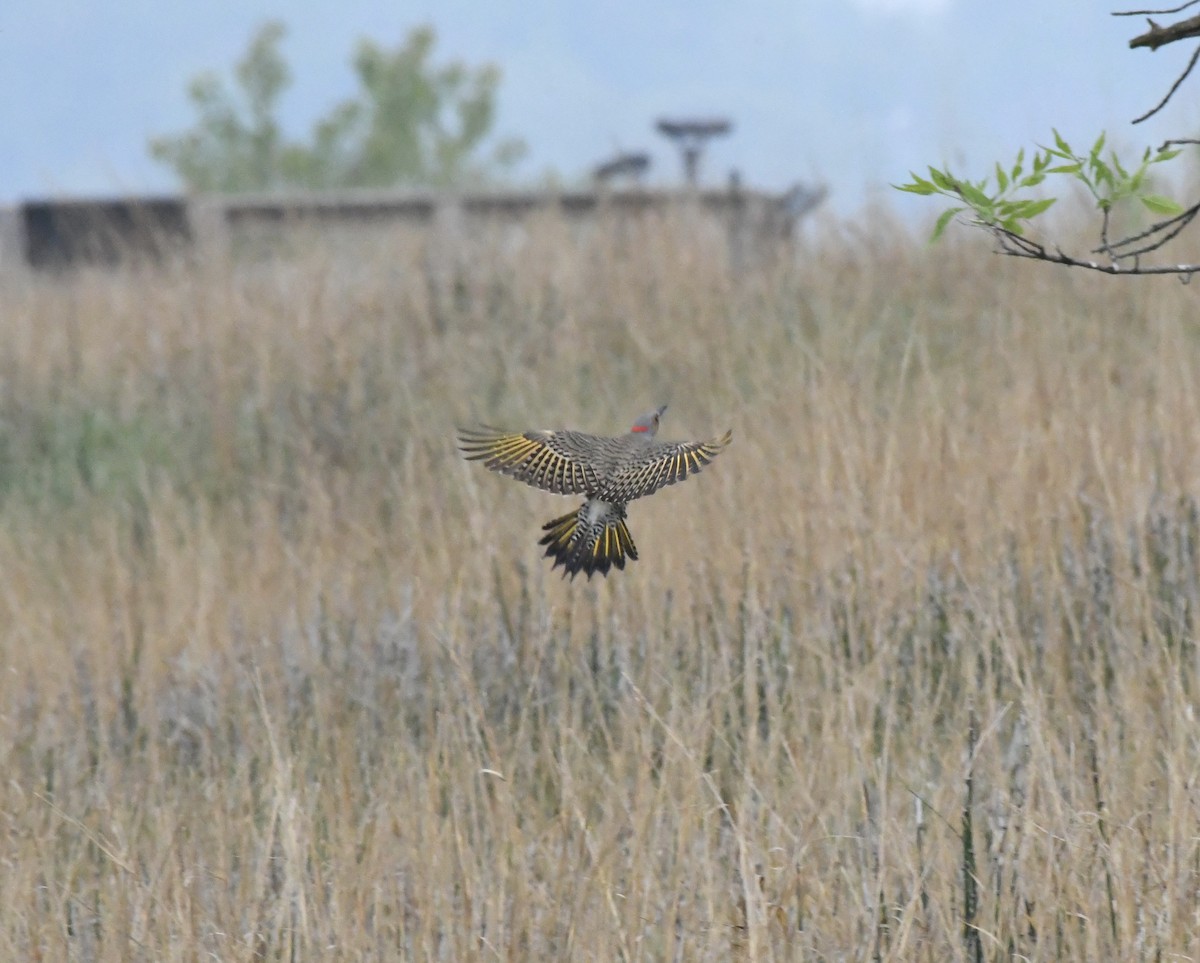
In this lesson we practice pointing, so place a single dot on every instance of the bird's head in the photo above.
(647, 424)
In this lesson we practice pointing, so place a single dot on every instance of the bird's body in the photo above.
(610, 471)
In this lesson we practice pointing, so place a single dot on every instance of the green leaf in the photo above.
(1161, 205)
(945, 218)
(1001, 177)
(918, 186)
(1019, 166)
(1060, 143)
(942, 180)
(1164, 155)
(1064, 169)
(974, 196)
(1032, 209)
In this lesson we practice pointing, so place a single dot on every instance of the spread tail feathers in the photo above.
(588, 540)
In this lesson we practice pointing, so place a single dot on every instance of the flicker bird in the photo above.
(611, 472)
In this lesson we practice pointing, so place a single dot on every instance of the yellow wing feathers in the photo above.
(611, 472)
(667, 464)
(538, 458)
(589, 547)
(569, 462)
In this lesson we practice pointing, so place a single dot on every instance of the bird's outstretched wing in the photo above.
(666, 464)
(554, 461)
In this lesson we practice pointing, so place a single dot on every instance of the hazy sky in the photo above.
(853, 93)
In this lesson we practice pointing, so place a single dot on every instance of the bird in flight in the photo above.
(611, 472)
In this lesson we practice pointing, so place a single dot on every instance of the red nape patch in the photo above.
(638, 428)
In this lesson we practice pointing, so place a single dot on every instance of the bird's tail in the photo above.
(580, 543)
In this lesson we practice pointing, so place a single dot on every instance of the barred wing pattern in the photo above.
(554, 461)
(662, 465)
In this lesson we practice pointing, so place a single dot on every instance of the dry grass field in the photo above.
(909, 673)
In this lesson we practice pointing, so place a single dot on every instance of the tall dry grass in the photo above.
(908, 673)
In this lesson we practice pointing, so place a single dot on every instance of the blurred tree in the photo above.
(413, 122)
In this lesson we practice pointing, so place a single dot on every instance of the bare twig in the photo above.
(1154, 13)
(1158, 36)
(1167, 231)
(1014, 245)
(1174, 87)
(1168, 144)
(1105, 248)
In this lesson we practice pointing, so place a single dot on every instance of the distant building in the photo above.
(48, 235)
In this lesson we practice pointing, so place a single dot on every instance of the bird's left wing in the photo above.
(554, 461)
(666, 464)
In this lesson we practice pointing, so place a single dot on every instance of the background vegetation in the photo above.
(909, 673)
(412, 123)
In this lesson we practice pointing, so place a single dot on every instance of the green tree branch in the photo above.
(1007, 207)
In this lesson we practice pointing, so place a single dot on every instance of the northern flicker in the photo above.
(611, 472)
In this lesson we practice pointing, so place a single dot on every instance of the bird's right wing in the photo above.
(554, 461)
(666, 464)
